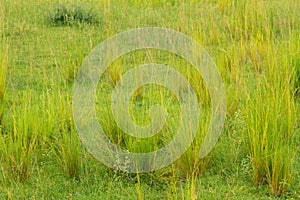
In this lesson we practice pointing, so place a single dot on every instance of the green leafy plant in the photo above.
(72, 15)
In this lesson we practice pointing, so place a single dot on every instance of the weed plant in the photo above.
(66, 15)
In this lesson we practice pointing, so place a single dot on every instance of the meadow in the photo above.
(256, 47)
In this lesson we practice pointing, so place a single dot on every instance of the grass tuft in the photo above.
(18, 141)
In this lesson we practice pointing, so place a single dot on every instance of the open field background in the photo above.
(256, 46)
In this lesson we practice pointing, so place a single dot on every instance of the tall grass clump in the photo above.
(270, 116)
(189, 165)
(65, 144)
(18, 140)
(263, 68)
(294, 47)
(3, 63)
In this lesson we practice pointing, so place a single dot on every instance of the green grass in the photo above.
(2, 85)
(256, 47)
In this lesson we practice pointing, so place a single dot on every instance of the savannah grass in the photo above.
(18, 141)
(255, 45)
(3, 65)
(66, 146)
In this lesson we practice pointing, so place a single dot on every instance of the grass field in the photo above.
(256, 47)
